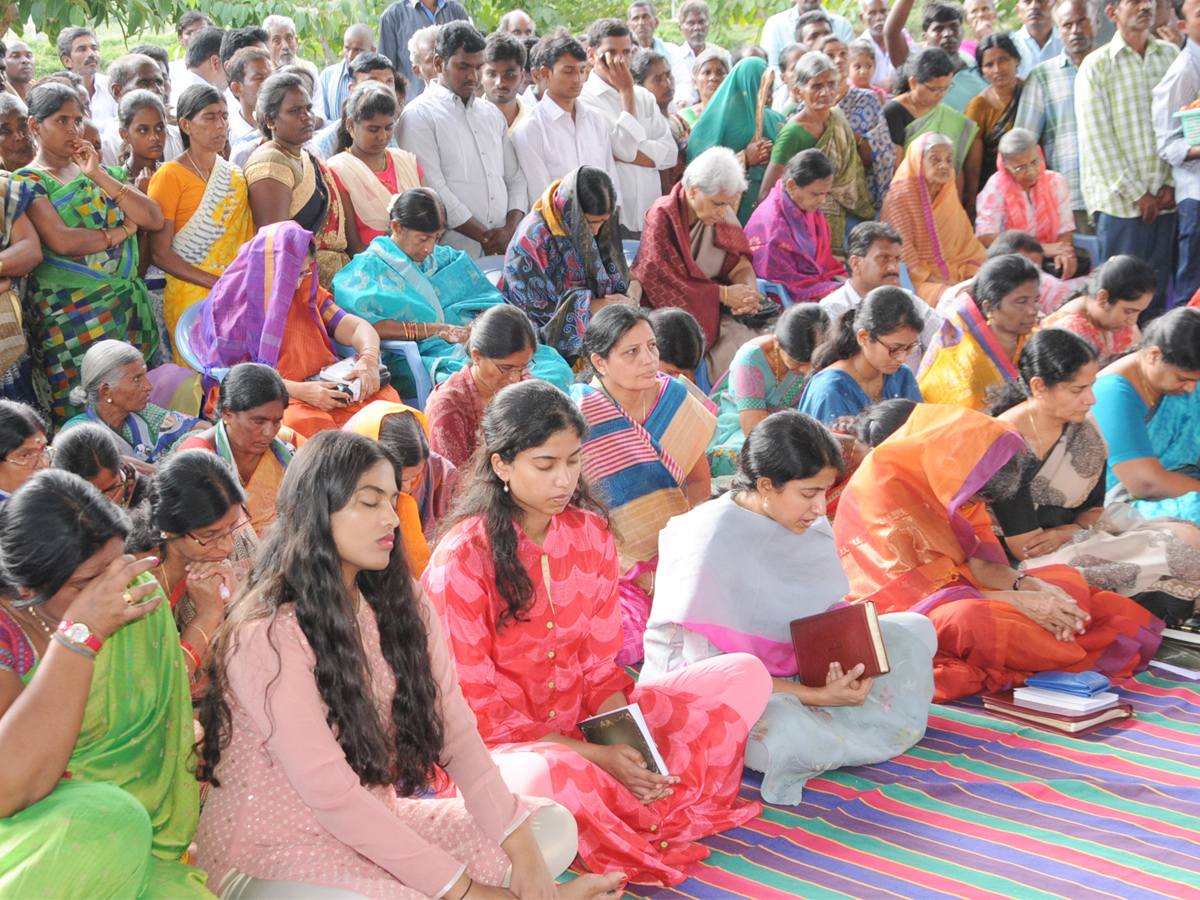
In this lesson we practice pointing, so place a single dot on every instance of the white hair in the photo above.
(936, 140)
(278, 22)
(716, 171)
(422, 39)
(100, 367)
(1016, 142)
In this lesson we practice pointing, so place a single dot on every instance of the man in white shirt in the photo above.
(203, 61)
(562, 134)
(780, 29)
(132, 72)
(463, 147)
(642, 20)
(642, 143)
(874, 261)
(695, 19)
(247, 71)
(79, 52)
(189, 23)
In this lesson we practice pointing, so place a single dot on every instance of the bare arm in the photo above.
(62, 240)
(270, 201)
(699, 482)
(1146, 479)
(748, 418)
(773, 173)
(893, 31)
(163, 255)
(354, 241)
(24, 250)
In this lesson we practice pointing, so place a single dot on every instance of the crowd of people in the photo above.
(361, 426)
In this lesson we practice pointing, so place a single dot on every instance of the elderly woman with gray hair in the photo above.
(694, 255)
(115, 391)
(1026, 196)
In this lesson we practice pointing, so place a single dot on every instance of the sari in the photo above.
(864, 111)
(831, 393)
(940, 248)
(1109, 344)
(965, 359)
(437, 483)
(149, 435)
(641, 472)
(125, 812)
(210, 238)
(369, 193)
(750, 384)
(18, 376)
(794, 248)
(1123, 553)
(948, 122)
(76, 300)
(994, 124)
(555, 267)
(316, 206)
(906, 528)
(1048, 218)
(263, 484)
(849, 195)
(705, 607)
(729, 120)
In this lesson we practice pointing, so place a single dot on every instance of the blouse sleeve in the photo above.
(277, 687)
(825, 402)
(1018, 514)
(788, 143)
(1121, 412)
(991, 213)
(165, 190)
(749, 383)
(266, 162)
(894, 114)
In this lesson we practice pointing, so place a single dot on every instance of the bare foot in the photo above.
(593, 887)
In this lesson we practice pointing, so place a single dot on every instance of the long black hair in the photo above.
(999, 277)
(248, 386)
(53, 525)
(403, 437)
(605, 330)
(520, 417)
(680, 337)
(18, 423)
(1054, 355)
(1123, 278)
(881, 420)
(194, 99)
(191, 491)
(365, 102)
(87, 450)
(501, 331)
(299, 564)
(785, 446)
(885, 310)
(801, 329)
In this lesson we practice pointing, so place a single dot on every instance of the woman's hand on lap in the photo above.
(1048, 541)
(845, 688)
(455, 334)
(1050, 607)
(742, 299)
(320, 394)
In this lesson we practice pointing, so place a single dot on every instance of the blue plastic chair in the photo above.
(776, 290)
(1091, 244)
(631, 250)
(183, 343)
(490, 263)
(906, 279)
(412, 356)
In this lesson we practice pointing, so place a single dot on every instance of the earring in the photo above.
(162, 535)
(506, 487)
(109, 400)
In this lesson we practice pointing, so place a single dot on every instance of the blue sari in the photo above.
(1174, 430)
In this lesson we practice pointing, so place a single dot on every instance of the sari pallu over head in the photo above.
(1045, 228)
(792, 247)
(730, 120)
(965, 360)
(243, 316)
(939, 241)
(668, 272)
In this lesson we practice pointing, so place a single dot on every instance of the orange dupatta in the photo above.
(367, 421)
(939, 242)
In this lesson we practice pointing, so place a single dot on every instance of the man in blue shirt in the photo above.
(402, 20)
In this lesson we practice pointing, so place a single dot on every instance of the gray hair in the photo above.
(121, 69)
(936, 140)
(1016, 142)
(11, 103)
(279, 22)
(100, 367)
(810, 66)
(422, 38)
(716, 171)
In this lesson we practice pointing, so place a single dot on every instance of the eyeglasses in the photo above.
(1028, 167)
(30, 459)
(232, 532)
(510, 370)
(898, 352)
(116, 490)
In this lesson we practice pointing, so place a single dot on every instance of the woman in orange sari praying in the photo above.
(913, 533)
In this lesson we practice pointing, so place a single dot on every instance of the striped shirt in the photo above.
(1048, 110)
(1118, 157)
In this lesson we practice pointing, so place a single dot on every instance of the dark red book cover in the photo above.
(1001, 704)
(848, 635)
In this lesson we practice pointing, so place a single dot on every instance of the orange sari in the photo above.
(367, 421)
(906, 527)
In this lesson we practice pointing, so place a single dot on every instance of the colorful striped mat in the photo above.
(987, 809)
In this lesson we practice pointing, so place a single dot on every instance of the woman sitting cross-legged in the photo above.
(332, 698)
(565, 261)
(1060, 517)
(115, 392)
(694, 255)
(729, 575)
(914, 533)
(861, 361)
(96, 794)
(644, 452)
(92, 452)
(1106, 314)
(268, 308)
(767, 374)
(250, 436)
(528, 581)
(789, 233)
(983, 334)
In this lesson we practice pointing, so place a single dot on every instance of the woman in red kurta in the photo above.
(527, 585)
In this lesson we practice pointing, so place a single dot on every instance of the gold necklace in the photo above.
(37, 617)
(775, 365)
(188, 154)
(1041, 447)
(299, 157)
(1145, 387)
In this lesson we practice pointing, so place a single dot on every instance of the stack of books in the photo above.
(1066, 702)
(1180, 651)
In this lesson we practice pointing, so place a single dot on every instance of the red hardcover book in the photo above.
(1001, 704)
(848, 635)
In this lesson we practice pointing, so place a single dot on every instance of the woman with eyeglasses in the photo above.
(501, 347)
(198, 530)
(91, 452)
(862, 360)
(22, 446)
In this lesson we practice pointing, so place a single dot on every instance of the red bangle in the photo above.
(189, 650)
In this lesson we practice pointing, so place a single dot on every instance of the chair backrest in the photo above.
(489, 264)
(183, 343)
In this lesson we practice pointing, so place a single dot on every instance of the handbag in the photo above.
(12, 333)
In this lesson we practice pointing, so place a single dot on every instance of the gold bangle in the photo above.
(121, 195)
(203, 633)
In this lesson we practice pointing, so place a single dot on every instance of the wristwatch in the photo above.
(78, 633)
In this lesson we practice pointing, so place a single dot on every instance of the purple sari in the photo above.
(793, 248)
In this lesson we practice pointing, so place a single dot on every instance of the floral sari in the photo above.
(74, 301)
(906, 529)
(864, 111)
(794, 248)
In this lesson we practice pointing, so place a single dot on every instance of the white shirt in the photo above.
(549, 144)
(104, 105)
(178, 71)
(648, 133)
(182, 83)
(110, 143)
(683, 61)
(238, 127)
(467, 157)
(1031, 53)
(780, 30)
(846, 297)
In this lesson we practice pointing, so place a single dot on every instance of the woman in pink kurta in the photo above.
(318, 793)
(538, 656)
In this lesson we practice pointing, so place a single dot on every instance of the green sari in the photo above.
(729, 121)
(121, 824)
(77, 300)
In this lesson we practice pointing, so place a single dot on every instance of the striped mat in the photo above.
(986, 809)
